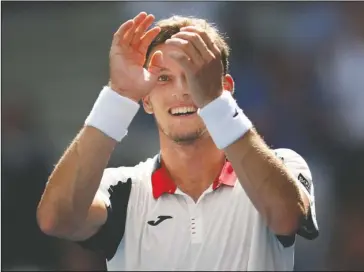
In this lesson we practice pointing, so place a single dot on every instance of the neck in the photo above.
(192, 166)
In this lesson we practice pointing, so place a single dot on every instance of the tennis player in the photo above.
(216, 197)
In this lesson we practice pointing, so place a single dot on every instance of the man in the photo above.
(214, 198)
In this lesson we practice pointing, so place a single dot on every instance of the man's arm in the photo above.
(268, 183)
(70, 207)
(65, 209)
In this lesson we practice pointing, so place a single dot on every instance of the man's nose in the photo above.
(181, 88)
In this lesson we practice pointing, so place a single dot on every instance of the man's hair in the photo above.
(172, 25)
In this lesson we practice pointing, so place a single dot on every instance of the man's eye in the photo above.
(163, 78)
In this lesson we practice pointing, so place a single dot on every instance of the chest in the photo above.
(174, 231)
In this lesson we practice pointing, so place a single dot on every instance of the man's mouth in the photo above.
(183, 111)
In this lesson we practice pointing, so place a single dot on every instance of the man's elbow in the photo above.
(288, 223)
(47, 222)
(51, 224)
(286, 227)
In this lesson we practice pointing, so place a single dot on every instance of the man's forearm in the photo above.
(75, 180)
(268, 183)
(73, 184)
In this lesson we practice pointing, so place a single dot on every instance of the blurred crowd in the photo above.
(299, 74)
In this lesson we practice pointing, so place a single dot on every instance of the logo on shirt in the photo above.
(235, 113)
(280, 157)
(160, 219)
(304, 182)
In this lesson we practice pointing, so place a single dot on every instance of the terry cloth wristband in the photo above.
(224, 120)
(112, 114)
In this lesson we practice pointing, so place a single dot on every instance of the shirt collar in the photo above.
(162, 182)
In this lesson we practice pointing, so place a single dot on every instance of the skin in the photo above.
(194, 77)
(183, 137)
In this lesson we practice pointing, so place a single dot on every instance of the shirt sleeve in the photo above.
(115, 193)
(303, 177)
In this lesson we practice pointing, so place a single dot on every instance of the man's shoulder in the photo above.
(137, 173)
(286, 154)
(297, 165)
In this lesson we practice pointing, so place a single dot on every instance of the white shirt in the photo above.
(166, 230)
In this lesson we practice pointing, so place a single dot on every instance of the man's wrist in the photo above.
(224, 120)
(122, 92)
(207, 100)
(112, 113)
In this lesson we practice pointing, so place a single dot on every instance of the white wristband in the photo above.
(112, 114)
(224, 120)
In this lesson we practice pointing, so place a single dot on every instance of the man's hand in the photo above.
(128, 51)
(202, 63)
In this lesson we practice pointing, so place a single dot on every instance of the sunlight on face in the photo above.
(170, 102)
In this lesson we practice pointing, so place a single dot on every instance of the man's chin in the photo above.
(181, 136)
(188, 139)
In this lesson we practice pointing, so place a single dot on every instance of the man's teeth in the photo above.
(183, 110)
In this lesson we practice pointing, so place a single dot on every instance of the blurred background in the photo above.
(299, 72)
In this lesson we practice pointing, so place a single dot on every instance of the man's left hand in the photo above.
(201, 62)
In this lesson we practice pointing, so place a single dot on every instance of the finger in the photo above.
(156, 62)
(182, 60)
(206, 38)
(154, 68)
(119, 34)
(137, 20)
(197, 42)
(141, 29)
(147, 39)
(187, 47)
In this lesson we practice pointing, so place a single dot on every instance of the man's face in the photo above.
(171, 103)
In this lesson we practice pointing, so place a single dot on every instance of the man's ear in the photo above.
(229, 84)
(147, 105)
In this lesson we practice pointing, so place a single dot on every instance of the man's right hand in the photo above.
(128, 51)
(70, 207)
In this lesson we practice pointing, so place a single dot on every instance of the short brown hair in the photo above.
(172, 25)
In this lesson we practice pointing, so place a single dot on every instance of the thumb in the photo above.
(154, 67)
(155, 63)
